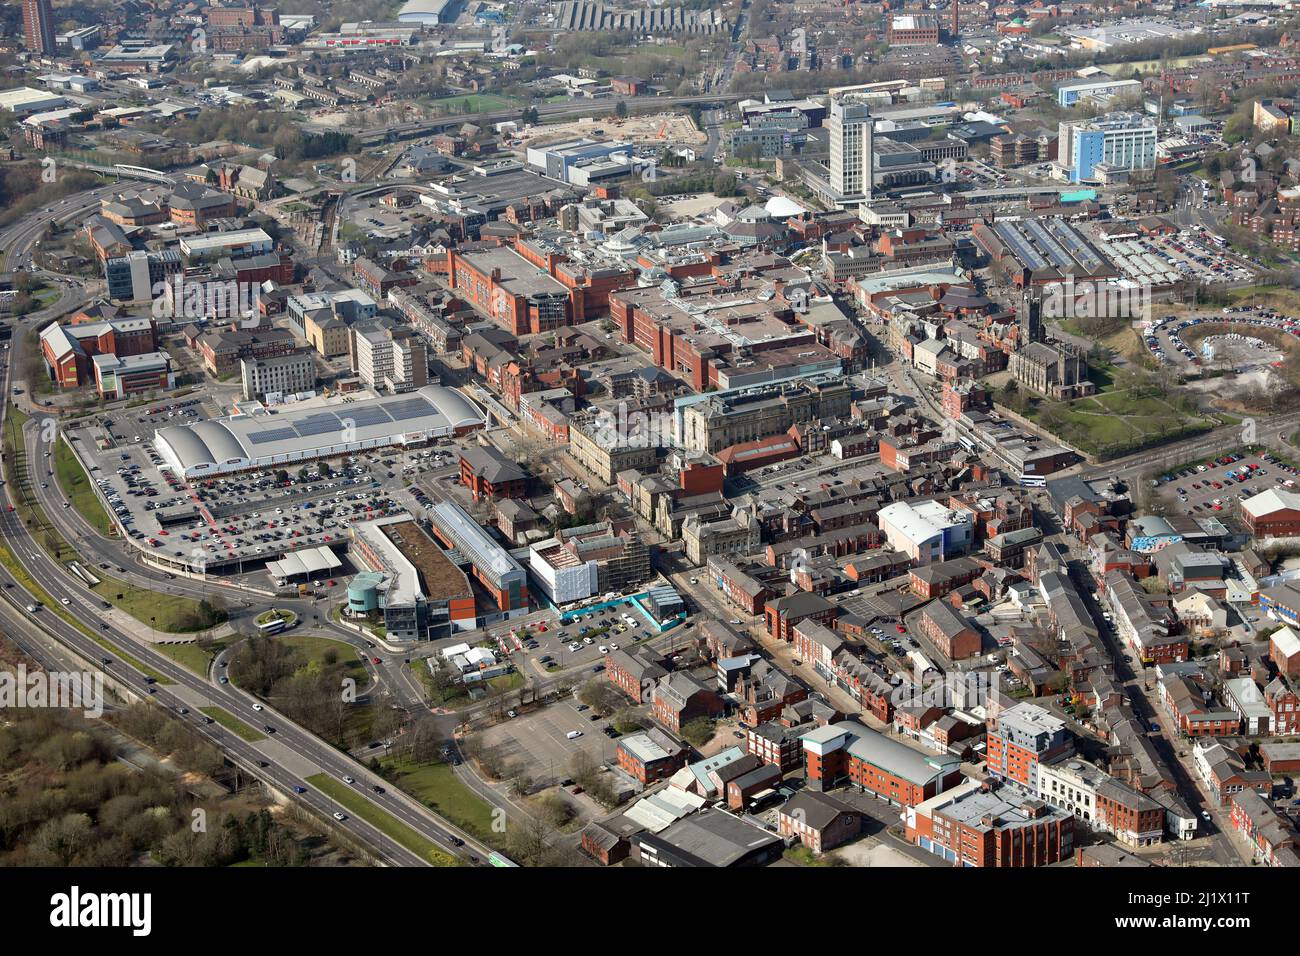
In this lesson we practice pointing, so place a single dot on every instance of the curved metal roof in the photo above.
(187, 448)
(223, 445)
(203, 443)
(452, 405)
(298, 431)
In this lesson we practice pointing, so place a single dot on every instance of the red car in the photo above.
(375, 660)
(901, 629)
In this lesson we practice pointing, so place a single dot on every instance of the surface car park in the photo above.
(1214, 492)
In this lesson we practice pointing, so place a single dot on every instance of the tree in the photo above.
(629, 720)
(583, 769)
(528, 840)
(441, 683)
(521, 782)
(556, 811)
(600, 695)
(621, 110)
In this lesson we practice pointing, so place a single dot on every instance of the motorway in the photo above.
(284, 758)
(286, 755)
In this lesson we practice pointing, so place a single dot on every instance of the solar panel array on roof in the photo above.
(1079, 248)
(409, 408)
(274, 434)
(318, 425)
(1019, 247)
(1058, 256)
(366, 415)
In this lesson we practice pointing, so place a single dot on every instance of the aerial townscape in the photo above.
(617, 434)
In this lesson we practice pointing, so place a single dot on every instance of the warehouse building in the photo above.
(243, 442)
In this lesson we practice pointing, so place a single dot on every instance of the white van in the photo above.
(573, 734)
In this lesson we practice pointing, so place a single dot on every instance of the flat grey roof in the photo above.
(518, 275)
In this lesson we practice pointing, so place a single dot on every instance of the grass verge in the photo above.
(194, 657)
(233, 724)
(77, 488)
(163, 612)
(381, 820)
(437, 787)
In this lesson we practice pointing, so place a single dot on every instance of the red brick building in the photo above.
(1274, 513)
(772, 742)
(849, 753)
(650, 756)
(1284, 707)
(950, 633)
(69, 350)
(1284, 651)
(512, 290)
(819, 821)
(936, 580)
(679, 698)
(781, 615)
(982, 828)
(635, 674)
(489, 474)
(1025, 736)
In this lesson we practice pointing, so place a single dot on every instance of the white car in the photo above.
(603, 649)
(65, 601)
(340, 816)
(257, 707)
(347, 779)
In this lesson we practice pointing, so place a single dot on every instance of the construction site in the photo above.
(666, 129)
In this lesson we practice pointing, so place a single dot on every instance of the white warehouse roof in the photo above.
(265, 439)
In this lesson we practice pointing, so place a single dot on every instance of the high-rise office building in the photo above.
(851, 152)
(1126, 141)
(38, 26)
(391, 359)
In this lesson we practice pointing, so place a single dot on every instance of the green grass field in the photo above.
(77, 489)
(233, 724)
(316, 649)
(380, 819)
(1116, 421)
(1113, 423)
(164, 612)
(475, 102)
(190, 656)
(436, 786)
